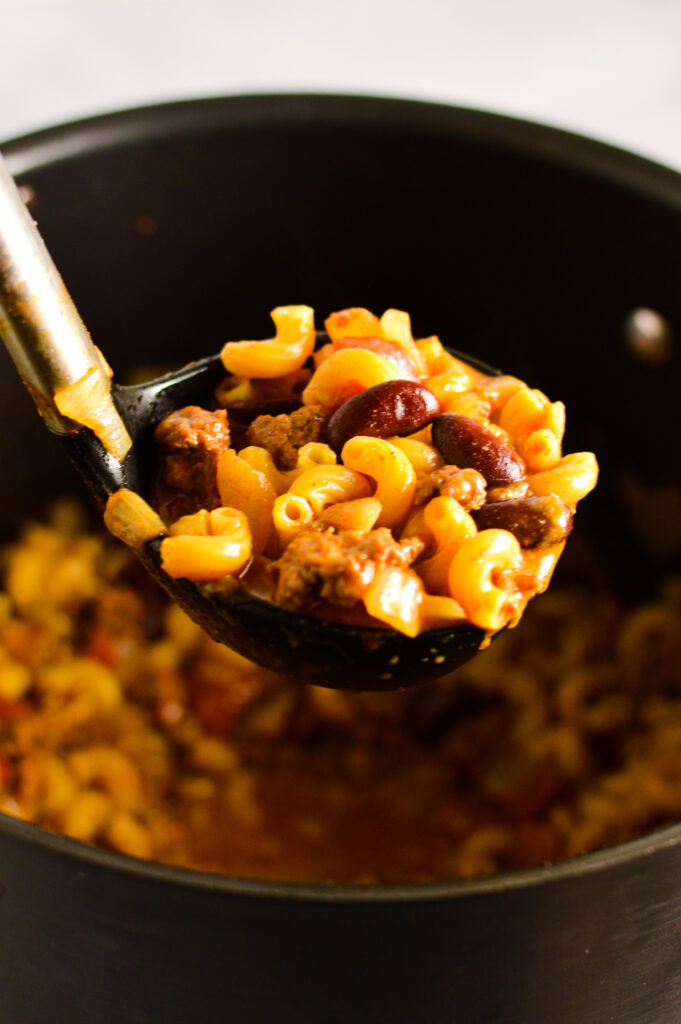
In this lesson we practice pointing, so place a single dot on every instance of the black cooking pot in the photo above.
(179, 227)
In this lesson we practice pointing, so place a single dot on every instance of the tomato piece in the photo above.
(101, 647)
(6, 772)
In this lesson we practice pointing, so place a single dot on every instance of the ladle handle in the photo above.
(39, 323)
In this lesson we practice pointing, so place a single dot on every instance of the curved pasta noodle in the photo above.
(240, 391)
(309, 456)
(86, 682)
(207, 546)
(441, 363)
(415, 526)
(424, 435)
(481, 578)
(539, 563)
(312, 454)
(290, 513)
(438, 611)
(87, 815)
(261, 460)
(396, 327)
(447, 375)
(195, 525)
(498, 390)
(430, 349)
(359, 515)
(593, 699)
(128, 517)
(394, 596)
(571, 478)
(424, 457)
(528, 410)
(541, 450)
(448, 521)
(111, 771)
(347, 367)
(390, 468)
(242, 487)
(447, 384)
(324, 485)
(320, 355)
(287, 351)
(467, 403)
(450, 526)
(355, 322)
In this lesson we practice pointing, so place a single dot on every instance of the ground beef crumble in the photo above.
(285, 434)
(337, 567)
(192, 439)
(467, 486)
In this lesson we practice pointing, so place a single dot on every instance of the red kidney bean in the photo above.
(465, 443)
(392, 409)
(535, 522)
(386, 349)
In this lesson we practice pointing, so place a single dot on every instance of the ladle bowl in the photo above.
(314, 649)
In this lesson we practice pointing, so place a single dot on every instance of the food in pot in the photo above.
(122, 724)
(401, 487)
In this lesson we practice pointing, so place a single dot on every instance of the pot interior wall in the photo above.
(173, 244)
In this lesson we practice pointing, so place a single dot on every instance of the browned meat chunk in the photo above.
(337, 567)
(466, 485)
(285, 434)
(536, 522)
(192, 439)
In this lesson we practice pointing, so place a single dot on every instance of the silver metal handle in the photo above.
(39, 323)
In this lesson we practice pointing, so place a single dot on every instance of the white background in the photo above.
(608, 69)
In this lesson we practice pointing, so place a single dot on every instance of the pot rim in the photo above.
(194, 116)
(262, 110)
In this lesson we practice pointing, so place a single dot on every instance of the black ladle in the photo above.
(52, 350)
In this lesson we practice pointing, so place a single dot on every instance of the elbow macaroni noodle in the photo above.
(392, 472)
(482, 578)
(370, 484)
(207, 546)
(325, 485)
(450, 526)
(125, 726)
(288, 351)
(347, 367)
